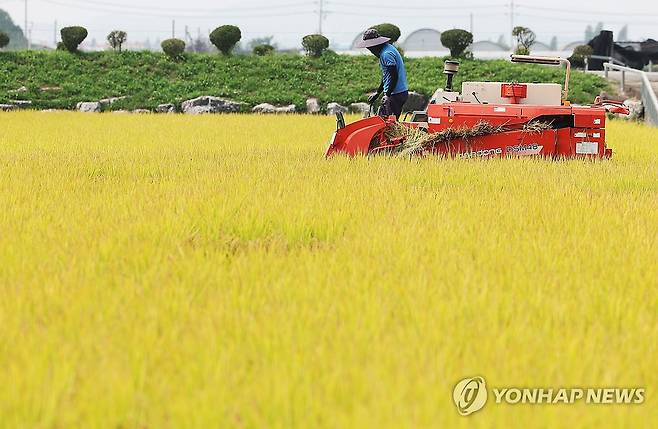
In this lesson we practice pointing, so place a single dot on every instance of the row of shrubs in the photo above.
(226, 37)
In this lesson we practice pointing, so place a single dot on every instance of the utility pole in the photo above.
(471, 23)
(25, 29)
(173, 28)
(511, 19)
(320, 16)
(55, 35)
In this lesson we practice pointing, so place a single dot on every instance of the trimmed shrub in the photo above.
(315, 45)
(225, 38)
(72, 37)
(579, 54)
(457, 41)
(522, 50)
(267, 40)
(263, 50)
(174, 48)
(388, 30)
(4, 39)
(116, 39)
(525, 38)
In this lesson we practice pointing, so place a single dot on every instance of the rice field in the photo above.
(210, 272)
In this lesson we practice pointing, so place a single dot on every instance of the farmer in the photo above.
(394, 76)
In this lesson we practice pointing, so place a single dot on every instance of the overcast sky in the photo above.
(288, 20)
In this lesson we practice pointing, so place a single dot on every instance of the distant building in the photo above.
(424, 40)
(540, 47)
(487, 46)
(356, 41)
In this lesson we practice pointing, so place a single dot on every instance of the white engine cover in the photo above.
(544, 94)
(441, 96)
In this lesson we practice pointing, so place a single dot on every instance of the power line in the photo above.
(511, 17)
(398, 15)
(200, 15)
(403, 12)
(27, 33)
(84, 4)
(587, 12)
(585, 20)
(423, 7)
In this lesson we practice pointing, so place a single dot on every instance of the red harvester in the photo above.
(520, 119)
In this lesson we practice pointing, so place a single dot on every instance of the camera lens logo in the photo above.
(470, 395)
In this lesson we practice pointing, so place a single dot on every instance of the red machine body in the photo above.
(577, 132)
(567, 132)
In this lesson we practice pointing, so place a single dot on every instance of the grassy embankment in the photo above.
(149, 79)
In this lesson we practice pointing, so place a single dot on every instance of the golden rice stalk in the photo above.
(416, 140)
(537, 127)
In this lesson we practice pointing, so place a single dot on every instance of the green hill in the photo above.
(149, 79)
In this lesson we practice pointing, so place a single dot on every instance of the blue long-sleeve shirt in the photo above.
(390, 57)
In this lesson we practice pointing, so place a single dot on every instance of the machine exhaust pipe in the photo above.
(450, 69)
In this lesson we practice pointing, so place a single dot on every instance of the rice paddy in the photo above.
(216, 271)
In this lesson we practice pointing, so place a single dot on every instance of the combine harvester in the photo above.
(488, 119)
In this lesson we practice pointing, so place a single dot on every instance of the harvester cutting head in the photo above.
(488, 119)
